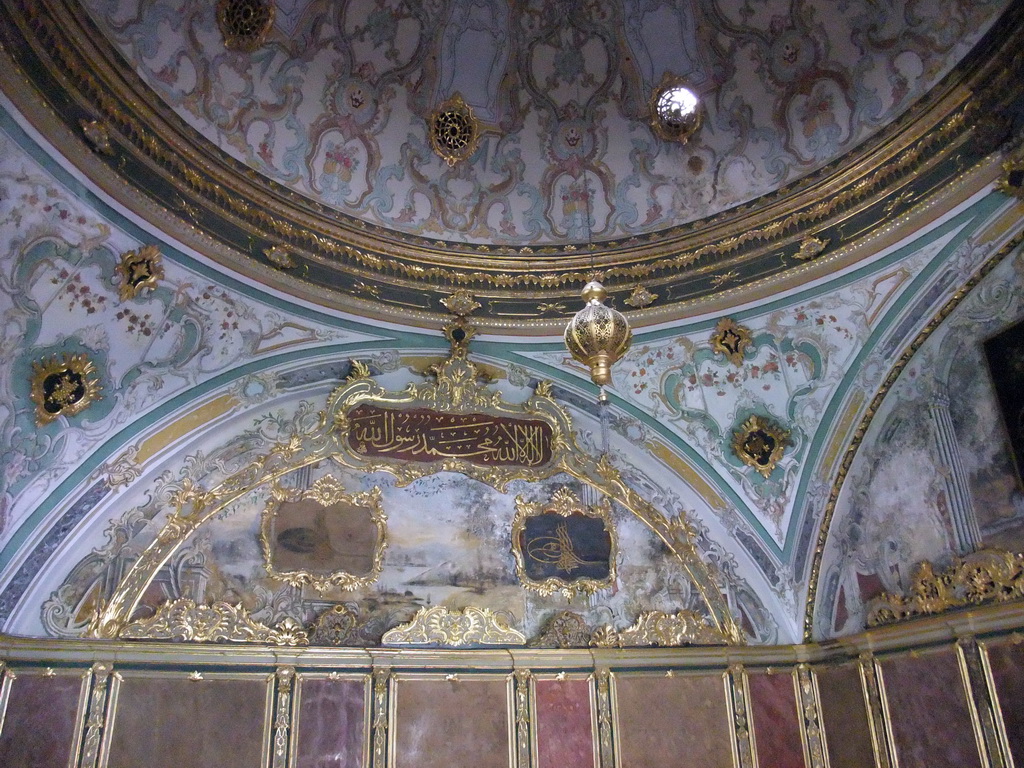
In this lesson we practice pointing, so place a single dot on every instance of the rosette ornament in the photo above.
(598, 335)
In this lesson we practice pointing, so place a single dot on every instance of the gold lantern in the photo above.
(598, 335)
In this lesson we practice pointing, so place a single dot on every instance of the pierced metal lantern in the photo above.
(598, 335)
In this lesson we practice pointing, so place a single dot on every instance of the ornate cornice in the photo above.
(64, 58)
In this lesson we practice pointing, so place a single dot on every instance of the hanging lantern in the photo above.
(598, 335)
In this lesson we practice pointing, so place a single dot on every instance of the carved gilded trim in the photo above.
(382, 683)
(738, 697)
(1011, 182)
(732, 340)
(563, 630)
(63, 386)
(985, 576)
(454, 130)
(139, 270)
(565, 504)
(869, 415)
(183, 620)
(994, 707)
(657, 628)
(760, 443)
(96, 719)
(326, 492)
(983, 704)
(881, 736)
(283, 729)
(450, 628)
(606, 752)
(812, 731)
(523, 717)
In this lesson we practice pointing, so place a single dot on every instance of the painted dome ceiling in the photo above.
(316, 142)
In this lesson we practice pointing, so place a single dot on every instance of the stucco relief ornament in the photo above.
(245, 24)
(657, 628)
(1012, 180)
(96, 133)
(63, 386)
(139, 270)
(461, 303)
(280, 257)
(184, 620)
(438, 625)
(810, 248)
(641, 297)
(454, 130)
(732, 340)
(759, 443)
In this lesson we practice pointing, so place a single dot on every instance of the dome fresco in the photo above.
(215, 240)
(334, 105)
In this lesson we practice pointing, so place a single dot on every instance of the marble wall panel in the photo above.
(565, 732)
(39, 725)
(331, 729)
(1006, 660)
(929, 712)
(680, 721)
(175, 722)
(442, 723)
(844, 716)
(776, 720)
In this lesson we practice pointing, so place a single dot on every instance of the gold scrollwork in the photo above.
(1011, 182)
(245, 24)
(559, 549)
(460, 303)
(759, 443)
(563, 630)
(985, 576)
(640, 298)
(454, 130)
(327, 492)
(280, 257)
(810, 248)
(657, 628)
(732, 340)
(63, 386)
(183, 620)
(438, 625)
(98, 135)
(139, 270)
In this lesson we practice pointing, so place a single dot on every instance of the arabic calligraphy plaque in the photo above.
(567, 548)
(427, 435)
(564, 546)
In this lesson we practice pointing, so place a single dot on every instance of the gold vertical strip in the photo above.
(96, 719)
(6, 680)
(523, 719)
(379, 724)
(993, 695)
(983, 709)
(874, 697)
(285, 679)
(605, 735)
(809, 706)
(744, 746)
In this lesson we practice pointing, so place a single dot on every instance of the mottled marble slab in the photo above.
(174, 722)
(929, 712)
(39, 726)
(564, 721)
(331, 729)
(451, 724)
(1006, 660)
(682, 721)
(844, 716)
(776, 721)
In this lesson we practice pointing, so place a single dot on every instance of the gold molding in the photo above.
(732, 340)
(657, 628)
(760, 443)
(1011, 182)
(183, 620)
(454, 130)
(326, 492)
(140, 270)
(438, 625)
(564, 503)
(63, 386)
(985, 576)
